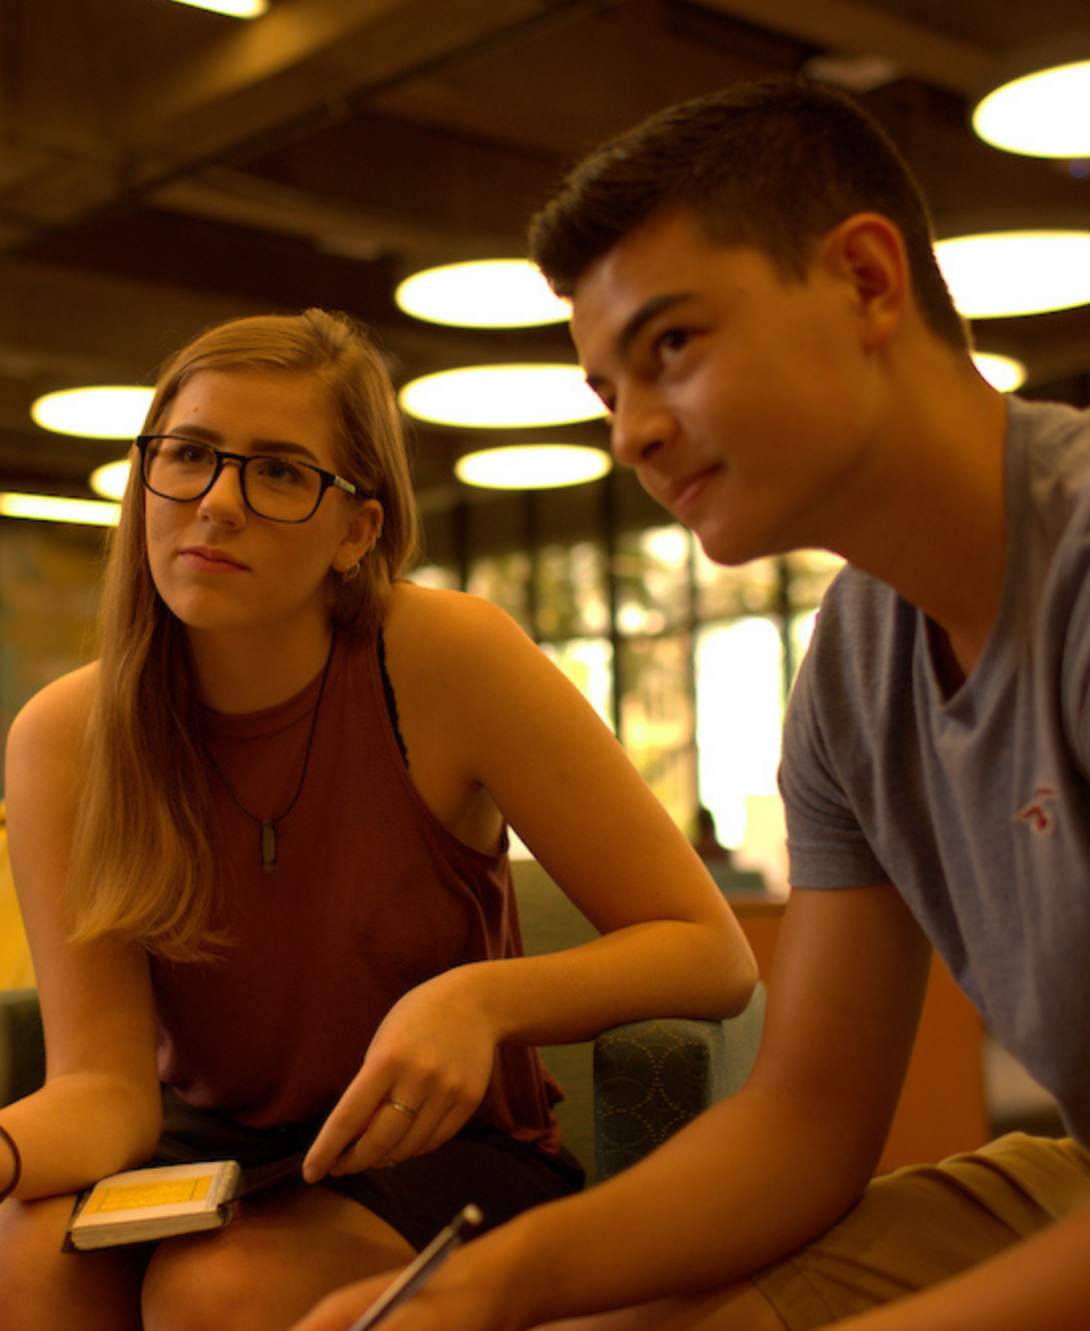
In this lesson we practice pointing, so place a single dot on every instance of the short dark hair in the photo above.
(775, 164)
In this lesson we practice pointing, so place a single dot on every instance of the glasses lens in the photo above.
(274, 487)
(281, 489)
(178, 468)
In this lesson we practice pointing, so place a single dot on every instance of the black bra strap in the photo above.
(391, 701)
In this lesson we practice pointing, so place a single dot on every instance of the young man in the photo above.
(756, 300)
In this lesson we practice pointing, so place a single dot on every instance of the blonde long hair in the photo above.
(141, 864)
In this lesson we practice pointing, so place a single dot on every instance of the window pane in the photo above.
(441, 548)
(652, 572)
(810, 572)
(504, 580)
(802, 630)
(657, 718)
(435, 575)
(572, 598)
(588, 663)
(739, 668)
(727, 593)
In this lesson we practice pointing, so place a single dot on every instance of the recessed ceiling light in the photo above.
(1016, 272)
(532, 466)
(232, 8)
(489, 293)
(854, 73)
(110, 480)
(497, 397)
(109, 412)
(1003, 372)
(1039, 102)
(56, 508)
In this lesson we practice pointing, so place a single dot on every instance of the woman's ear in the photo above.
(362, 536)
(867, 250)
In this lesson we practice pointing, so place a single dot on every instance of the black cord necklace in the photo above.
(268, 825)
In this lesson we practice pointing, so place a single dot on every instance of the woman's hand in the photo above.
(425, 1073)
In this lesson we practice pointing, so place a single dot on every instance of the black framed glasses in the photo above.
(281, 489)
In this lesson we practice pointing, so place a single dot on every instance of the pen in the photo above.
(420, 1269)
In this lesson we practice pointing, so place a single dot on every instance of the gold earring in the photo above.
(352, 572)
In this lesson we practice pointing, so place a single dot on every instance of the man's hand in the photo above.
(476, 1290)
(339, 1310)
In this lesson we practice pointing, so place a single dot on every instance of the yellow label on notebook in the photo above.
(125, 1197)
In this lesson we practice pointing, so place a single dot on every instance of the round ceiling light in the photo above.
(57, 508)
(110, 480)
(488, 293)
(1004, 373)
(111, 412)
(1042, 112)
(533, 466)
(503, 397)
(232, 8)
(1016, 272)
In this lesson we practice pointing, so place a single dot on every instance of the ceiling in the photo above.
(162, 167)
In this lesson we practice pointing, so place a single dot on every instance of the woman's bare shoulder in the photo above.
(56, 716)
(437, 617)
(449, 651)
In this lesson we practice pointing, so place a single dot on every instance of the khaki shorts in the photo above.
(921, 1225)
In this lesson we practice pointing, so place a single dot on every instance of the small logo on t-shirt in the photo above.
(1038, 813)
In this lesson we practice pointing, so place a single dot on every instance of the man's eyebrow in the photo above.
(642, 316)
(635, 324)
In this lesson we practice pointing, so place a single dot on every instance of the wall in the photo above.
(49, 579)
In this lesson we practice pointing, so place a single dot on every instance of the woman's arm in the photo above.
(750, 1180)
(99, 1110)
(512, 728)
(493, 730)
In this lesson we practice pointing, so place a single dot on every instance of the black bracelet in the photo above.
(6, 1193)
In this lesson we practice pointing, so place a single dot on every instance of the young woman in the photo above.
(260, 847)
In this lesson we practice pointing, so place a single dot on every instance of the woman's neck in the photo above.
(249, 671)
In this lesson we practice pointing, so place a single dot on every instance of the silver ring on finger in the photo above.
(401, 1107)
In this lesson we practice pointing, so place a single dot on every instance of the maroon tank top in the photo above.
(370, 896)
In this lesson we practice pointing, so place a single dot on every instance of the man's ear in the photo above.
(364, 530)
(868, 251)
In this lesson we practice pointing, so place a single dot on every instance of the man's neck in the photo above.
(940, 539)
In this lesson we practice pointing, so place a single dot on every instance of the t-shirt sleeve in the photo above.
(826, 846)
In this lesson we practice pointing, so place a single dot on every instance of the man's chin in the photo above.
(728, 548)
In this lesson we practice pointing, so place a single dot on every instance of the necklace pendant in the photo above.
(268, 845)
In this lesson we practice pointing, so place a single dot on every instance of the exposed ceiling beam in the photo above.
(307, 63)
(855, 28)
(58, 324)
(354, 233)
(305, 58)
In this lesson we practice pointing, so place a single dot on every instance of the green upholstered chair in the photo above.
(653, 1077)
(22, 1050)
(632, 1087)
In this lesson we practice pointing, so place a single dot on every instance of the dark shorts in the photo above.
(417, 1198)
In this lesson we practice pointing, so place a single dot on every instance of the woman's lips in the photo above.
(211, 561)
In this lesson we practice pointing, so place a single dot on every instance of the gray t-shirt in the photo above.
(976, 807)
